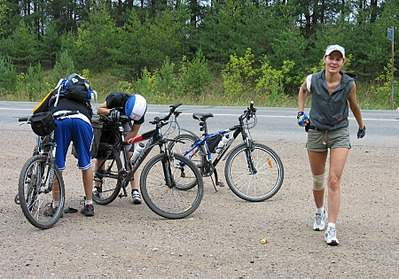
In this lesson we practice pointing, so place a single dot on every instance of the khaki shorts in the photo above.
(320, 141)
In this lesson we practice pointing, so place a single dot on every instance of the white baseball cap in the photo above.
(332, 48)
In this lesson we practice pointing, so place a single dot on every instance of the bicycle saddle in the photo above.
(202, 116)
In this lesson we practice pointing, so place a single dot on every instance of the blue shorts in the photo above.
(81, 134)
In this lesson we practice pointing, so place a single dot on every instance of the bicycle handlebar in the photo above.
(28, 118)
(122, 118)
(162, 121)
(23, 119)
(249, 112)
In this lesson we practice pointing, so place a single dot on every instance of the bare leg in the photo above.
(134, 184)
(87, 177)
(317, 162)
(338, 158)
(99, 165)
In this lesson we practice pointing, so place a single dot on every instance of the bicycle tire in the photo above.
(270, 172)
(158, 203)
(34, 153)
(181, 145)
(110, 178)
(187, 140)
(35, 170)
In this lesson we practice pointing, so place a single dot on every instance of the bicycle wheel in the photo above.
(36, 151)
(181, 146)
(162, 196)
(254, 175)
(183, 143)
(107, 184)
(39, 183)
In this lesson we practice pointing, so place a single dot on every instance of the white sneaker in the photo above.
(320, 221)
(136, 197)
(330, 236)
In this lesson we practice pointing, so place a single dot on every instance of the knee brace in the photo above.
(318, 182)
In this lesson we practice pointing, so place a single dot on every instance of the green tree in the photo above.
(147, 44)
(97, 41)
(23, 47)
(194, 75)
(229, 30)
(8, 76)
(50, 45)
(63, 67)
(3, 17)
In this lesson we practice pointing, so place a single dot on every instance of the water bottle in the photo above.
(93, 101)
(222, 143)
(137, 151)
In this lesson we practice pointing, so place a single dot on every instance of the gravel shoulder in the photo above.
(222, 238)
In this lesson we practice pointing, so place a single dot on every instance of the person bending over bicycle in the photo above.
(133, 106)
(78, 129)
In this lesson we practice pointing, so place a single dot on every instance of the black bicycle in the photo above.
(253, 171)
(40, 182)
(161, 178)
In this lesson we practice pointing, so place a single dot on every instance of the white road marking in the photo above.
(235, 115)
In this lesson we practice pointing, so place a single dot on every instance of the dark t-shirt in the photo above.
(118, 100)
(68, 104)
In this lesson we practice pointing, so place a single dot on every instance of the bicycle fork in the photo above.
(248, 155)
(169, 179)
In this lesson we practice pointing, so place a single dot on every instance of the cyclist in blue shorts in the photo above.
(76, 128)
(133, 106)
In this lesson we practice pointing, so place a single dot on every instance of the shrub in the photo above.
(194, 75)
(31, 85)
(8, 76)
(378, 95)
(166, 80)
(271, 81)
(146, 84)
(239, 75)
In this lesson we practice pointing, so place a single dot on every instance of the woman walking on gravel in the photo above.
(332, 93)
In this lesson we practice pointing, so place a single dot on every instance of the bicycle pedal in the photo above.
(220, 184)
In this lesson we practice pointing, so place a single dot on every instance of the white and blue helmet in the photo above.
(135, 107)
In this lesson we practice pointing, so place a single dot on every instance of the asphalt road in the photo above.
(273, 123)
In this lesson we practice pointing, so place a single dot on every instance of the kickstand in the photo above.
(213, 183)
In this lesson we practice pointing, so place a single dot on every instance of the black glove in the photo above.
(115, 114)
(361, 132)
(302, 118)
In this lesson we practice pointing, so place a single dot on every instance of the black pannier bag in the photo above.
(42, 123)
(97, 132)
(213, 142)
(107, 137)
